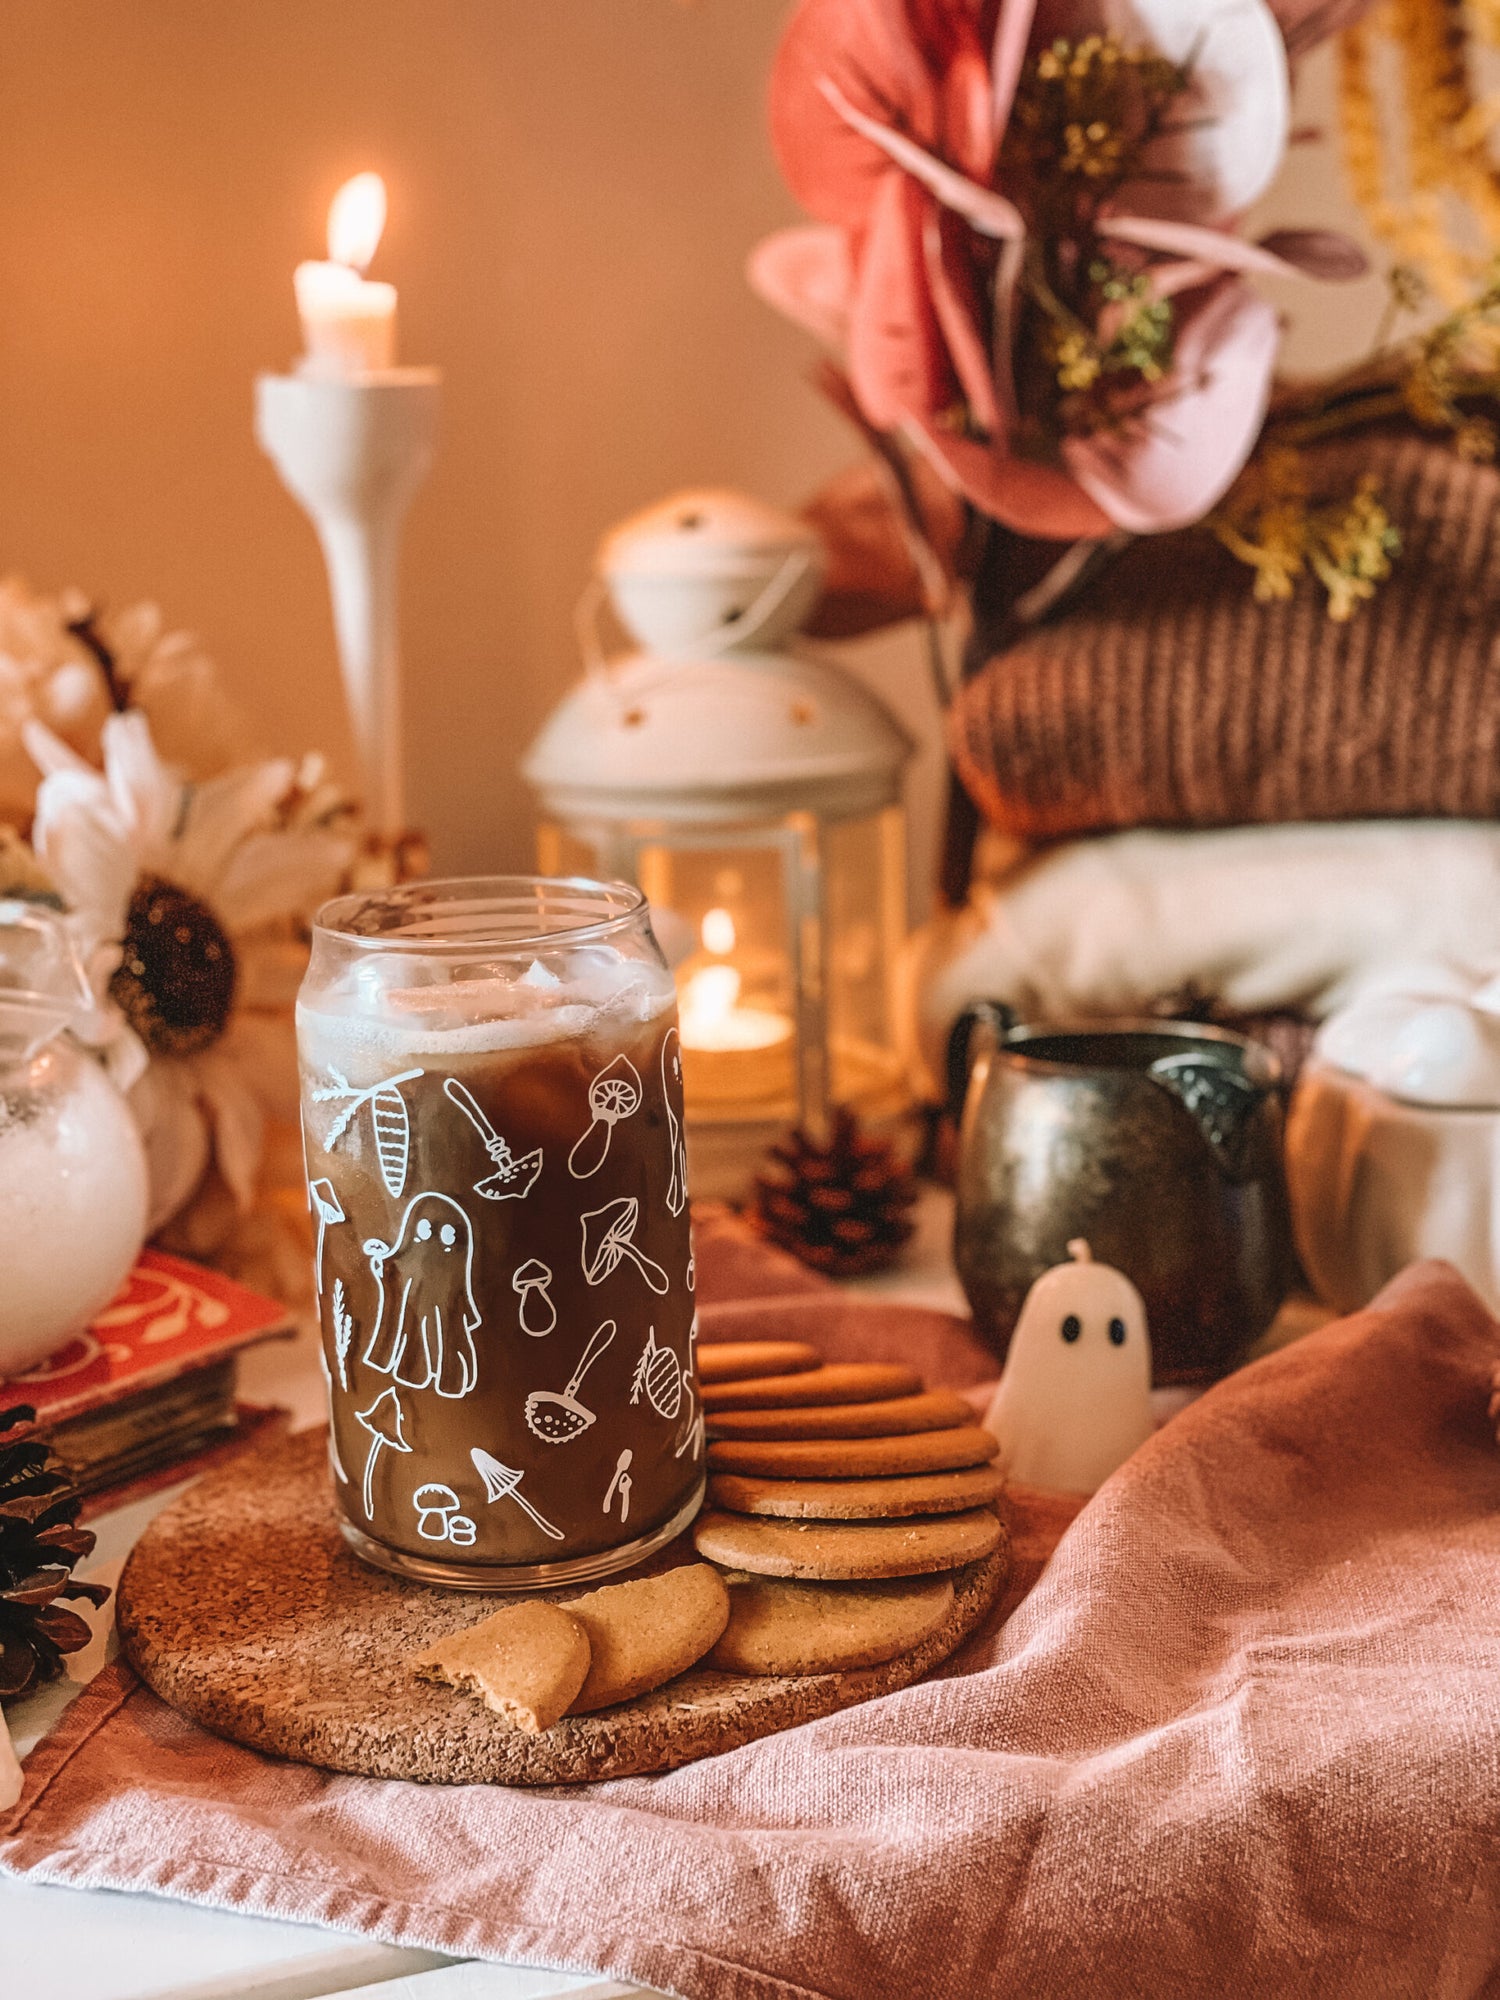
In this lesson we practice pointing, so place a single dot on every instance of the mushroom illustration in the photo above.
(620, 1484)
(503, 1482)
(538, 1313)
(615, 1093)
(325, 1202)
(609, 1238)
(386, 1423)
(556, 1416)
(434, 1504)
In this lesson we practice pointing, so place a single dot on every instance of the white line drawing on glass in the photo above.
(503, 1482)
(424, 1324)
(388, 1116)
(386, 1422)
(620, 1484)
(615, 1093)
(326, 1206)
(343, 1332)
(515, 1174)
(538, 1313)
(609, 1238)
(439, 1518)
(334, 1460)
(691, 1433)
(659, 1373)
(671, 1084)
(555, 1415)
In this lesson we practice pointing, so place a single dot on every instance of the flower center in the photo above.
(175, 984)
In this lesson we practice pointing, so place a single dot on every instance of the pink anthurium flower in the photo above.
(1167, 469)
(889, 118)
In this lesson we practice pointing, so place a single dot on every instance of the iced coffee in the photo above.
(492, 1116)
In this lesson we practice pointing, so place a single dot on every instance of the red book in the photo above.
(151, 1384)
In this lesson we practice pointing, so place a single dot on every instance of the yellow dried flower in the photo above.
(1423, 177)
(1095, 149)
(1074, 358)
(1085, 108)
(1266, 523)
(1351, 550)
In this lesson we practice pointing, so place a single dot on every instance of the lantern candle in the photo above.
(729, 1050)
(348, 320)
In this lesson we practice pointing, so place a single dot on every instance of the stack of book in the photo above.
(152, 1381)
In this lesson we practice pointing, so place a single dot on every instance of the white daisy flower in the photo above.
(186, 899)
(68, 666)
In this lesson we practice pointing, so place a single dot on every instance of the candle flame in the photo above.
(356, 218)
(709, 998)
(718, 932)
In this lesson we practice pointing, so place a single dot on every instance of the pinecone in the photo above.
(841, 1206)
(39, 1545)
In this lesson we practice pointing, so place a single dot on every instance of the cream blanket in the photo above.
(1260, 918)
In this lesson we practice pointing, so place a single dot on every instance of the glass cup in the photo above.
(492, 1118)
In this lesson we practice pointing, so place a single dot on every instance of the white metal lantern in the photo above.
(753, 792)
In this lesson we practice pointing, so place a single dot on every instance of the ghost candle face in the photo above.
(1075, 1399)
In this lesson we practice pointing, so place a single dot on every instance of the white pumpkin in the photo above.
(1393, 1143)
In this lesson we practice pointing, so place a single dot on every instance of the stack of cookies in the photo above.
(840, 1497)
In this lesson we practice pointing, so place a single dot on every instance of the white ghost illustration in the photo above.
(1075, 1399)
(424, 1323)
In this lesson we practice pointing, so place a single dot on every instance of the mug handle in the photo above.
(997, 1020)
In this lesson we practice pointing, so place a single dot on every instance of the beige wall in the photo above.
(574, 184)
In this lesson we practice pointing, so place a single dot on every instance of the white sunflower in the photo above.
(68, 665)
(187, 900)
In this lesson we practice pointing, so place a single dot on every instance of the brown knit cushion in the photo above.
(1169, 697)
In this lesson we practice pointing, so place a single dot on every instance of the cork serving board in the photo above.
(243, 1607)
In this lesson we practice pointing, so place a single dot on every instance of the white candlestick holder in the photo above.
(352, 453)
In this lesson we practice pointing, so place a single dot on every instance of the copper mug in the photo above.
(1158, 1141)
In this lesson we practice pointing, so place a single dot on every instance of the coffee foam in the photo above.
(345, 1030)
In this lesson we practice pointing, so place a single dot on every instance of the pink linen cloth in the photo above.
(1243, 1737)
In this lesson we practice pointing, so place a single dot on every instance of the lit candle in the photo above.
(712, 1017)
(348, 321)
(730, 1051)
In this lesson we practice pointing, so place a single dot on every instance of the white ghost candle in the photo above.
(1075, 1399)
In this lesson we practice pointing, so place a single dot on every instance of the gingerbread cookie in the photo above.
(648, 1631)
(745, 1360)
(837, 1382)
(777, 1627)
(851, 1550)
(938, 1410)
(526, 1661)
(853, 1458)
(858, 1499)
